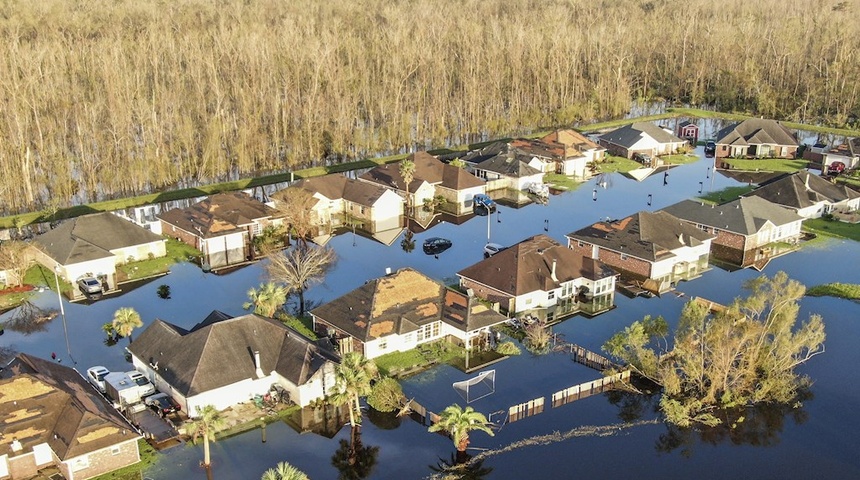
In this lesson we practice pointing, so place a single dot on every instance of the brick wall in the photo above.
(22, 466)
(107, 460)
(629, 265)
(179, 234)
(504, 300)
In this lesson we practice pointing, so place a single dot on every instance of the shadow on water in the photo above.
(353, 459)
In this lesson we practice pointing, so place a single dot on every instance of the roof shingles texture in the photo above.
(219, 214)
(90, 237)
(628, 135)
(744, 216)
(803, 189)
(756, 131)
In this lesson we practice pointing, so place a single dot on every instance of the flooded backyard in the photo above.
(816, 440)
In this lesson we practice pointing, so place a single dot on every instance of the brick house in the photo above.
(52, 416)
(749, 230)
(400, 311)
(809, 195)
(654, 247)
(222, 227)
(756, 138)
(543, 278)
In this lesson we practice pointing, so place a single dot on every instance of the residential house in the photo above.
(338, 201)
(656, 248)
(809, 195)
(749, 230)
(432, 179)
(756, 138)
(226, 360)
(400, 311)
(504, 165)
(52, 417)
(578, 153)
(222, 227)
(847, 152)
(542, 278)
(688, 131)
(640, 137)
(93, 245)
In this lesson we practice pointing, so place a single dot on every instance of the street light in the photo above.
(62, 311)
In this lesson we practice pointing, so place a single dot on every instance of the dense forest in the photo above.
(107, 98)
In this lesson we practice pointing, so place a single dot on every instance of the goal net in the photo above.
(478, 387)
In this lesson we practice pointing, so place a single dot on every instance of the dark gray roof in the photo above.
(756, 131)
(54, 404)
(628, 135)
(647, 235)
(219, 351)
(502, 158)
(803, 189)
(527, 267)
(744, 216)
(90, 237)
(218, 215)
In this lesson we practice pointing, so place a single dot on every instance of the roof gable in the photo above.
(803, 189)
(219, 214)
(756, 131)
(744, 216)
(629, 135)
(91, 237)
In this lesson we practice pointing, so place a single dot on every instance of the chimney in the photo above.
(16, 445)
(259, 371)
(552, 274)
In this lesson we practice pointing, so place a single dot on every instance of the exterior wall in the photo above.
(576, 167)
(636, 267)
(814, 211)
(400, 343)
(756, 151)
(423, 192)
(688, 262)
(850, 162)
(226, 249)
(23, 466)
(505, 301)
(460, 200)
(228, 395)
(614, 149)
(72, 272)
(102, 461)
(388, 206)
(140, 252)
(317, 387)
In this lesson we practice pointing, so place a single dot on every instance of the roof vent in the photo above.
(16, 445)
(388, 270)
(259, 369)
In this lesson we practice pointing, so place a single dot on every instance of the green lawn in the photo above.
(833, 228)
(679, 159)
(176, 252)
(767, 164)
(850, 291)
(397, 363)
(611, 163)
(562, 182)
(727, 194)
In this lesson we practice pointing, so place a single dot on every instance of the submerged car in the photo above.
(96, 376)
(483, 200)
(491, 249)
(90, 285)
(162, 404)
(141, 381)
(710, 146)
(436, 245)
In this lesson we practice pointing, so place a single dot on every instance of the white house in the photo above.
(848, 153)
(541, 277)
(400, 311)
(641, 137)
(508, 165)
(226, 360)
(578, 152)
(809, 195)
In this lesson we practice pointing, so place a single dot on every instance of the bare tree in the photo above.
(16, 258)
(300, 267)
(296, 204)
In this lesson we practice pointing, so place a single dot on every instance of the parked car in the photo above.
(483, 200)
(538, 188)
(162, 403)
(141, 381)
(491, 249)
(436, 245)
(90, 285)
(96, 376)
(710, 146)
(835, 168)
(642, 158)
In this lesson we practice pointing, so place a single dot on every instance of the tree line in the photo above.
(112, 98)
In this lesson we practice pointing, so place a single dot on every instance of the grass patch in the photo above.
(148, 457)
(833, 228)
(397, 364)
(560, 181)
(611, 163)
(176, 252)
(302, 325)
(679, 159)
(627, 121)
(727, 194)
(850, 291)
(767, 164)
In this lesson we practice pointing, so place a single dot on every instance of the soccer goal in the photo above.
(478, 387)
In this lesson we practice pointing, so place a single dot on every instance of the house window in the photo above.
(550, 295)
(361, 210)
(383, 344)
(623, 256)
(80, 463)
(580, 244)
(114, 450)
(429, 331)
(407, 339)
(256, 228)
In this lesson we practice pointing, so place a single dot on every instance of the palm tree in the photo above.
(266, 300)
(284, 471)
(125, 320)
(407, 171)
(209, 420)
(458, 422)
(353, 379)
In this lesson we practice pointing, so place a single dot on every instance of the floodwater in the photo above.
(817, 440)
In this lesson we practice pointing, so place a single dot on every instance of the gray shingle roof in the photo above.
(744, 216)
(90, 237)
(803, 189)
(628, 135)
(219, 214)
(647, 235)
(527, 267)
(219, 351)
(756, 131)
(502, 158)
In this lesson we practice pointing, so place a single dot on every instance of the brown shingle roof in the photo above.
(336, 187)
(527, 267)
(756, 131)
(219, 214)
(427, 169)
(45, 402)
(574, 142)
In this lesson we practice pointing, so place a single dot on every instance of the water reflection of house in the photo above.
(226, 360)
(324, 419)
(432, 178)
(657, 248)
(748, 230)
(338, 201)
(222, 227)
(809, 195)
(51, 416)
(93, 245)
(400, 311)
(542, 278)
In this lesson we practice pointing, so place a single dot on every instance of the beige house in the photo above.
(641, 137)
(226, 360)
(577, 153)
(52, 417)
(93, 245)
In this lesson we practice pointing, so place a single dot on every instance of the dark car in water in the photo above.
(484, 200)
(436, 245)
(162, 404)
(710, 147)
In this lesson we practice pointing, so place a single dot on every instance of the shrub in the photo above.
(386, 395)
(508, 348)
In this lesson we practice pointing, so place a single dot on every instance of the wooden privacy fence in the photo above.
(527, 409)
(589, 359)
(587, 389)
